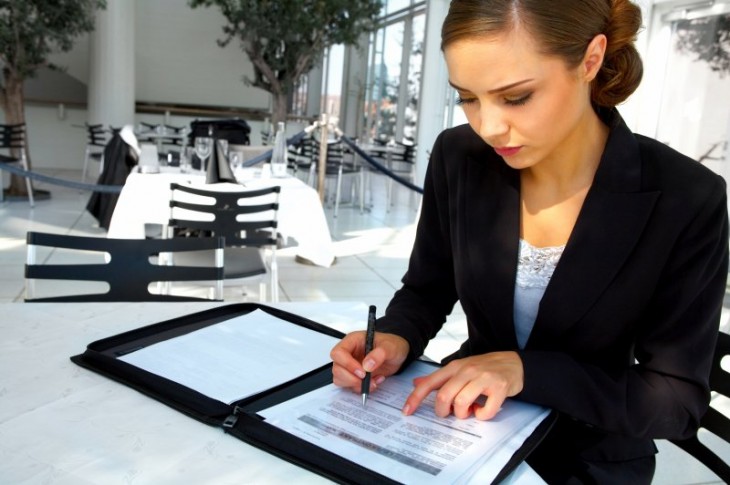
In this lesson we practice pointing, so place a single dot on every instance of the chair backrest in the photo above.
(96, 135)
(407, 153)
(336, 156)
(12, 136)
(128, 269)
(714, 421)
(243, 218)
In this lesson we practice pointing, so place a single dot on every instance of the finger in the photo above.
(418, 380)
(348, 352)
(375, 359)
(423, 388)
(343, 378)
(466, 399)
(491, 407)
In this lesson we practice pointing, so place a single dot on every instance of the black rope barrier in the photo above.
(107, 189)
(379, 166)
(267, 155)
(367, 157)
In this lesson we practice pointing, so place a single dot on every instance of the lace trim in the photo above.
(536, 265)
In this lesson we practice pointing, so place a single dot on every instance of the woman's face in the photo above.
(527, 106)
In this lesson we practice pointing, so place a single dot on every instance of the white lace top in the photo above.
(535, 267)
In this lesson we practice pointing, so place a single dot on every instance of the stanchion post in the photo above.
(322, 164)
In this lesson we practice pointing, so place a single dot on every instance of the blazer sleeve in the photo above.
(419, 308)
(664, 392)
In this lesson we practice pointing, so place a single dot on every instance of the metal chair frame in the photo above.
(13, 138)
(238, 223)
(128, 270)
(96, 139)
(713, 420)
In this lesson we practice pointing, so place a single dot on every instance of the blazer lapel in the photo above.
(610, 224)
(492, 239)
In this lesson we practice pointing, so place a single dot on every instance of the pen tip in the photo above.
(364, 399)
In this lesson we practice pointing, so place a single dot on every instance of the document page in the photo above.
(237, 358)
(421, 448)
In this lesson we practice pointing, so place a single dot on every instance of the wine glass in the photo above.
(186, 155)
(203, 149)
(236, 159)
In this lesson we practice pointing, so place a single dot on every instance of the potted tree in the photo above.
(30, 30)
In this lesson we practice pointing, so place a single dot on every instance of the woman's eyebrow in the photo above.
(495, 90)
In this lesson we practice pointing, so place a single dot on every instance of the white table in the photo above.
(145, 199)
(62, 424)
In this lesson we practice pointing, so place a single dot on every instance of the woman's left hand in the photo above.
(496, 375)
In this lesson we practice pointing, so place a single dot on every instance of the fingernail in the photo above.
(360, 373)
(379, 380)
(368, 365)
(406, 409)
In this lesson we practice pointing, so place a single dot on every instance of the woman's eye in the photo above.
(518, 101)
(464, 100)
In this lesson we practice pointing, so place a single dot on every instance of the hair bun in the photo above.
(622, 68)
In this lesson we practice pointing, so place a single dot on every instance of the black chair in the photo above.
(714, 421)
(246, 219)
(95, 143)
(128, 266)
(340, 162)
(235, 130)
(402, 162)
(12, 138)
(169, 140)
(299, 158)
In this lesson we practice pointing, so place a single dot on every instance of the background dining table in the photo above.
(301, 220)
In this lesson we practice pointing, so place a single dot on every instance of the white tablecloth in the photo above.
(62, 424)
(145, 199)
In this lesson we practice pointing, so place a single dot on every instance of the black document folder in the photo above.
(240, 418)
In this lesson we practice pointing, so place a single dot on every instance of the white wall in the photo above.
(177, 61)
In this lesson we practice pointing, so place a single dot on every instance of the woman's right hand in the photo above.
(350, 362)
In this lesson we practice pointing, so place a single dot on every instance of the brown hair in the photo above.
(563, 28)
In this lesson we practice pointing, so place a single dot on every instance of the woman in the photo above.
(590, 262)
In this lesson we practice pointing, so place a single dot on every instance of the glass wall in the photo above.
(394, 73)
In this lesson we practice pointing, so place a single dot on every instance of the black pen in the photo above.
(369, 337)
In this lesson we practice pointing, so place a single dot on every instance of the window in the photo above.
(691, 68)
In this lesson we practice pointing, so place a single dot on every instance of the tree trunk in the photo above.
(13, 105)
(279, 109)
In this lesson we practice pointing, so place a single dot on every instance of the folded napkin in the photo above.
(219, 168)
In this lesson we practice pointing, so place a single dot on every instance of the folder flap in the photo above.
(103, 356)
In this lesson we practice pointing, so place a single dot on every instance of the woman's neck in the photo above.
(574, 165)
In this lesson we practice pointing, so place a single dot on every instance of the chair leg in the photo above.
(30, 261)
(362, 190)
(337, 190)
(86, 165)
(274, 279)
(389, 194)
(28, 185)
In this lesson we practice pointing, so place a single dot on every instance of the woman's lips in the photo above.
(507, 151)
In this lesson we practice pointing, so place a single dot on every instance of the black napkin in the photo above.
(219, 169)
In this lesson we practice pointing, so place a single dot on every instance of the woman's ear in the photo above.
(593, 59)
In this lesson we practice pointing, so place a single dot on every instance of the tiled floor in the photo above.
(372, 252)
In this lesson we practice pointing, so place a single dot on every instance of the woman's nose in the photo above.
(493, 123)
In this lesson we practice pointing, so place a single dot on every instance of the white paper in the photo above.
(421, 448)
(237, 358)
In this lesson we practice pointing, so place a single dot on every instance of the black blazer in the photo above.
(624, 337)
